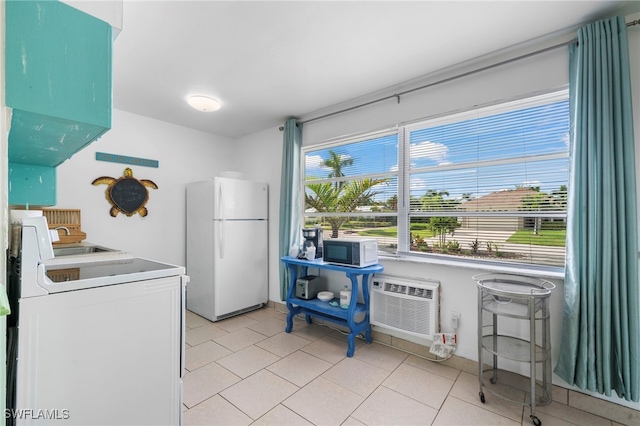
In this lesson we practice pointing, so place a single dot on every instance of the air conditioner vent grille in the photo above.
(405, 305)
(426, 293)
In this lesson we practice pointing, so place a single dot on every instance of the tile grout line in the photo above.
(333, 335)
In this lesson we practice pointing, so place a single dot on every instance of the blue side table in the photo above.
(320, 309)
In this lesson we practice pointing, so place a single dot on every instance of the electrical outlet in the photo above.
(455, 320)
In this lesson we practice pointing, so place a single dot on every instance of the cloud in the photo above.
(433, 151)
(315, 161)
(312, 161)
(531, 184)
(417, 184)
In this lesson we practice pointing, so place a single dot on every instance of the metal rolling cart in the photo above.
(516, 297)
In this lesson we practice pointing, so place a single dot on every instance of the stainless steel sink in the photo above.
(74, 251)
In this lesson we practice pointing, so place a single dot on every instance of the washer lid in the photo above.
(55, 278)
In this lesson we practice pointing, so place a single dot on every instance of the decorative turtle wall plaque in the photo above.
(127, 194)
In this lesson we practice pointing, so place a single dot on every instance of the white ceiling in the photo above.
(269, 60)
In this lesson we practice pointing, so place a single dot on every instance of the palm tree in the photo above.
(433, 200)
(336, 162)
(345, 198)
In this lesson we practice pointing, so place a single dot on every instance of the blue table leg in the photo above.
(366, 320)
(293, 271)
(289, 322)
(367, 335)
(351, 340)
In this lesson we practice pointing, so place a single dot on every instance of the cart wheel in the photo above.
(536, 421)
(493, 380)
(482, 397)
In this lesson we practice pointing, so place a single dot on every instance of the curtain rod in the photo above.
(455, 77)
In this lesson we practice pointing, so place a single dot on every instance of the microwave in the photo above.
(358, 252)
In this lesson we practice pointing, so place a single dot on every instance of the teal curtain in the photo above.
(290, 193)
(600, 337)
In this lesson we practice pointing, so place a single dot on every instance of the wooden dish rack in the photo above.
(70, 219)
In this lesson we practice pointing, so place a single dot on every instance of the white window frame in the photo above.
(389, 131)
(403, 214)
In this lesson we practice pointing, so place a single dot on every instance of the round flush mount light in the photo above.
(203, 103)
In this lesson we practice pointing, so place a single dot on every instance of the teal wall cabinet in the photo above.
(58, 84)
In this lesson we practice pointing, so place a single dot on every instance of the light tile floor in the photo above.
(247, 370)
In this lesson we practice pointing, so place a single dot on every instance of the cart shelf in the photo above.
(519, 298)
(513, 348)
(543, 397)
(502, 306)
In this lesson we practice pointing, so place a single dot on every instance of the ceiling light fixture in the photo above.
(203, 103)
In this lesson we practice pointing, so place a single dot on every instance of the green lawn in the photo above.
(380, 232)
(546, 237)
(392, 231)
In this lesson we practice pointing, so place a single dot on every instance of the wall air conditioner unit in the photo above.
(409, 305)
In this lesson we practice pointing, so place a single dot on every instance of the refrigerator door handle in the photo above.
(220, 203)
(222, 221)
(222, 226)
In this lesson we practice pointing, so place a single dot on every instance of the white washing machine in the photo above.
(100, 342)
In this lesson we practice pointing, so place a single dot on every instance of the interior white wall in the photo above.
(523, 77)
(259, 158)
(458, 291)
(184, 156)
(538, 73)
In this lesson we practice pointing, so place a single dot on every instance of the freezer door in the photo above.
(240, 199)
(240, 265)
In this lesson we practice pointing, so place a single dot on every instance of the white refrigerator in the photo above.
(227, 247)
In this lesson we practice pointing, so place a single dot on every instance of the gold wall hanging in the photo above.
(126, 194)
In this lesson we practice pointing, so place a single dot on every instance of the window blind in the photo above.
(492, 180)
(351, 189)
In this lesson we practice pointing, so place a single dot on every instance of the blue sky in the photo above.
(536, 130)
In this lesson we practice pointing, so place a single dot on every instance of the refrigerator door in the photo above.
(200, 244)
(240, 265)
(239, 199)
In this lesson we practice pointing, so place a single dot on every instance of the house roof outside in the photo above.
(505, 200)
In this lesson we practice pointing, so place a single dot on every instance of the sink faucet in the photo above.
(65, 228)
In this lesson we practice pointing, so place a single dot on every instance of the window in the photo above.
(351, 189)
(489, 184)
